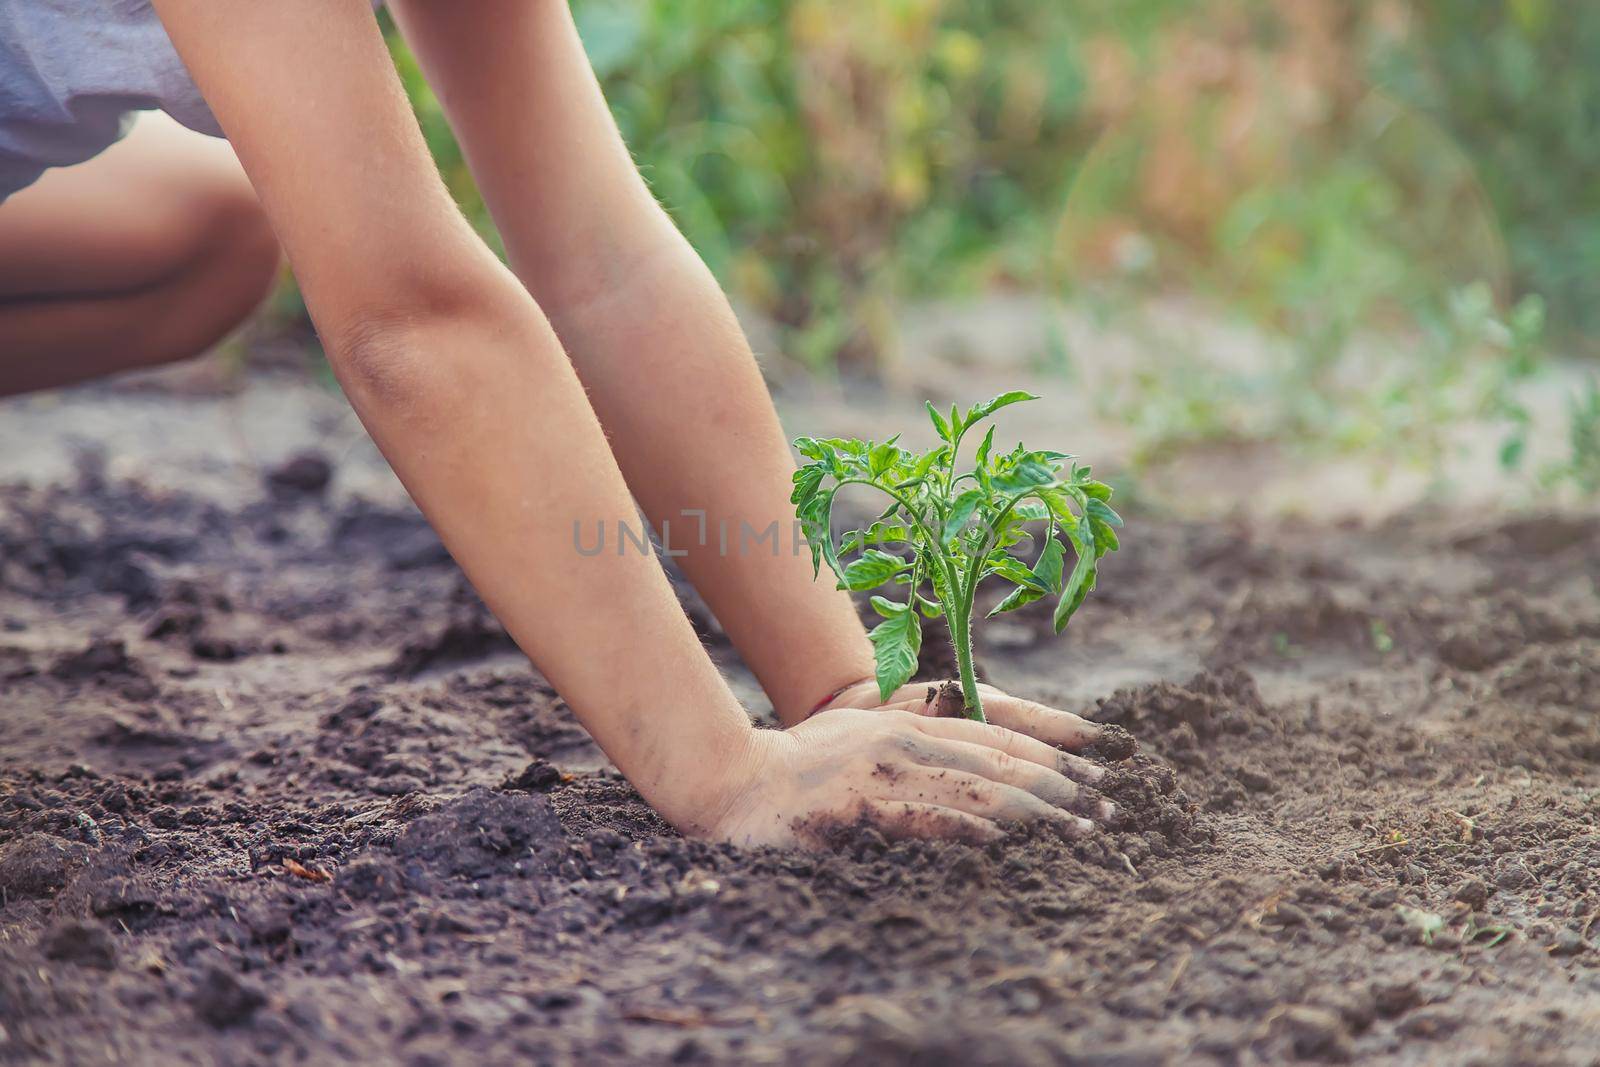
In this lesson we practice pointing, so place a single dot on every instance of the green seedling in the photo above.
(944, 533)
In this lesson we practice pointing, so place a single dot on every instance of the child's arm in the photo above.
(654, 341)
(463, 384)
(651, 335)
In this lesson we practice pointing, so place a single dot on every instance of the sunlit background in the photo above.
(1348, 229)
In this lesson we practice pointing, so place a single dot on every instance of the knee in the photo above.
(236, 238)
(229, 264)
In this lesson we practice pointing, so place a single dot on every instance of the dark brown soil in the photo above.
(946, 701)
(1114, 744)
(1360, 824)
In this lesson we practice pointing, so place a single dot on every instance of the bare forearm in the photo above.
(692, 425)
(484, 421)
(653, 339)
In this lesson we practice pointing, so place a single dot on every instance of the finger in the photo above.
(1013, 744)
(900, 819)
(1047, 784)
(1050, 725)
(914, 698)
(980, 796)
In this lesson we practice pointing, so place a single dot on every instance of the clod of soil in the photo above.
(223, 999)
(946, 702)
(305, 472)
(1148, 800)
(1114, 745)
(80, 943)
(38, 864)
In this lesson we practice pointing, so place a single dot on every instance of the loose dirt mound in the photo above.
(274, 787)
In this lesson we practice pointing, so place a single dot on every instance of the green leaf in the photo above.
(1013, 569)
(961, 513)
(930, 609)
(1043, 578)
(989, 407)
(888, 511)
(1026, 473)
(926, 461)
(1105, 538)
(895, 644)
(872, 569)
(1102, 523)
(887, 533)
(1047, 572)
(939, 422)
(1013, 535)
(1019, 597)
(886, 607)
(807, 479)
(1077, 589)
(981, 469)
(809, 447)
(1096, 490)
(1097, 508)
(1060, 504)
(982, 457)
(881, 458)
(816, 517)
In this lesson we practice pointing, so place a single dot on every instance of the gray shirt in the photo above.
(73, 72)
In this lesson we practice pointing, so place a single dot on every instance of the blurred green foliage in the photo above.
(828, 158)
(1406, 186)
(1518, 85)
(1324, 166)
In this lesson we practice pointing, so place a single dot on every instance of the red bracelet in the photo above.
(831, 697)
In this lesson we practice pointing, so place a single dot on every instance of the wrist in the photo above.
(705, 781)
(849, 694)
(820, 694)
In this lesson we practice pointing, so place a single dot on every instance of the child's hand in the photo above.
(910, 775)
(1047, 724)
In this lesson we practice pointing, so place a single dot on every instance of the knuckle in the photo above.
(1004, 765)
(983, 792)
(891, 745)
(1004, 740)
(909, 743)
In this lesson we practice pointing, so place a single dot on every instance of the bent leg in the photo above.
(148, 253)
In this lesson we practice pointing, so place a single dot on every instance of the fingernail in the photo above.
(1074, 825)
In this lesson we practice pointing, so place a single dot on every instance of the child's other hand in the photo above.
(1047, 724)
(907, 774)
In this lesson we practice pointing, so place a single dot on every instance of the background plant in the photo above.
(956, 531)
(1329, 172)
